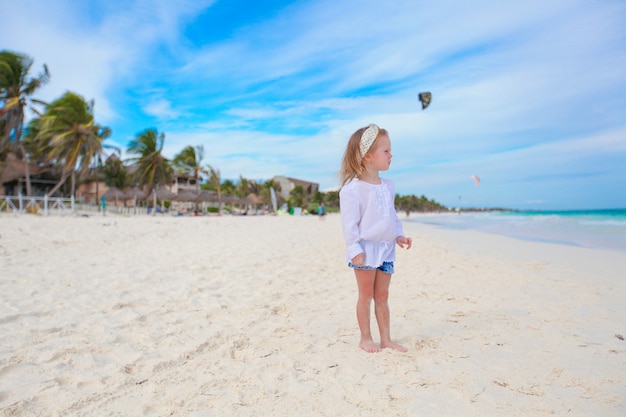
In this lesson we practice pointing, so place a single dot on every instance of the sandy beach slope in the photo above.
(254, 316)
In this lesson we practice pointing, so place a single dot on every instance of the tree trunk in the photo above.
(219, 202)
(197, 205)
(73, 185)
(29, 190)
(97, 182)
(59, 184)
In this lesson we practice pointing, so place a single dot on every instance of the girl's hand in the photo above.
(404, 241)
(358, 260)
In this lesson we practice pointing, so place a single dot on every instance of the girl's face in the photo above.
(379, 158)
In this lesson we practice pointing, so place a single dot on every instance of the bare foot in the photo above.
(393, 345)
(369, 346)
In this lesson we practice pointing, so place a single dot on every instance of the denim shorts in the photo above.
(386, 267)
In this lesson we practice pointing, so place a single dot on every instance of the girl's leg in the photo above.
(381, 309)
(365, 282)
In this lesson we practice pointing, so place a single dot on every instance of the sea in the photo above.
(598, 229)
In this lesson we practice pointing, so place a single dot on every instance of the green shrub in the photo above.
(313, 208)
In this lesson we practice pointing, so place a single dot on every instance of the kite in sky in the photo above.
(476, 179)
(424, 98)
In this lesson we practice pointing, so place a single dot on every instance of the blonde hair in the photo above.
(352, 162)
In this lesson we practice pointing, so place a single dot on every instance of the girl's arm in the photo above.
(350, 219)
(403, 241)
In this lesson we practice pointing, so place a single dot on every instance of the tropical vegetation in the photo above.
(67, 136)
(64, 137)
(151, 167)
(17, 87)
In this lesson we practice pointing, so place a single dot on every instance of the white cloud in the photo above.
(161, 108)
(518, 87)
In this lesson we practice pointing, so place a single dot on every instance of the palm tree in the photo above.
(215, 182)
(104, 134)
(67, 135)
(189, 161)
(243, 187)
(115, 174)
(228, 187)
(265, 193)
(297, 196)
(16, 87)
(153, 169)
(331, 199)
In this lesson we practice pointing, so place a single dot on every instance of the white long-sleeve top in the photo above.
(369, 221)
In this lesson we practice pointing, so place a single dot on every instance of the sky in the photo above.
(529, 96)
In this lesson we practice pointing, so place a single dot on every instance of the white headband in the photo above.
(367, 139)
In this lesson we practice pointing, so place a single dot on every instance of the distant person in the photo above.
(321, 211)
(371, 229)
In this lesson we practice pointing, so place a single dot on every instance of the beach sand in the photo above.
(255, 316)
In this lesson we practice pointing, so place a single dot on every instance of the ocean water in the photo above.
(600, 229)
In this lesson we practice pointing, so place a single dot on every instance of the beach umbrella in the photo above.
(229, 198)
(186, 195)
(114, 193)
(206, 196)
(135, 193)
(164, 194)
(254, 199)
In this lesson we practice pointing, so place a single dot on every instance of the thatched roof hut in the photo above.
(254, 199)
(134, 193)
(207, 196)
(114, 194)
(230, 199)
(164, 194)
(186, 196)
(13, 168)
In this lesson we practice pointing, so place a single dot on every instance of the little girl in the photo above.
(371, 229)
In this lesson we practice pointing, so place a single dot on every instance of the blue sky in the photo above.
(530, 96)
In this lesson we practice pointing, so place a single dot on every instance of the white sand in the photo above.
(254, 316)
